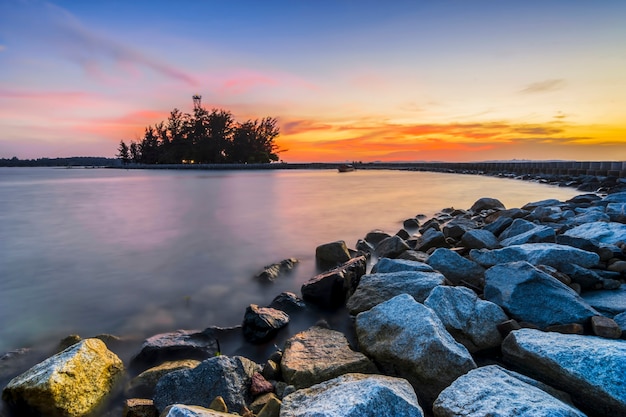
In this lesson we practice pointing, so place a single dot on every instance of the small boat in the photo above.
(346, 168)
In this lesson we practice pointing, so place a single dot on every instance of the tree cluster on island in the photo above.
(204, 138)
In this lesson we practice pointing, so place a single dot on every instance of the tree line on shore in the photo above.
(59, 162)
(204, 138)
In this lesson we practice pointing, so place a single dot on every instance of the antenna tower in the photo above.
(196, 101)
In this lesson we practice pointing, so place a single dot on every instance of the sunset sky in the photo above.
(463, 80)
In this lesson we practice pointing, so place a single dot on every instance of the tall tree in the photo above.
(123, 153)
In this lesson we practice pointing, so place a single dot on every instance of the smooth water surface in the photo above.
(135, 252)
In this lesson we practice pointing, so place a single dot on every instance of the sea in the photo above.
(137, 252)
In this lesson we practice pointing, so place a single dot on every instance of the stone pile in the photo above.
(479, 312)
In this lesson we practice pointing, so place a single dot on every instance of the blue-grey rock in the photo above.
(470, 320)
(529, 294)
(408, 340)
(549, 254)
(330, 289)
(536, 235)
(228, 377)
(182, 410)
(615, 198)
(412, 255)
(518, 227)
(487, 203)
(607, 302)
(431, 238)
(479, 239)
(602, 232)
(456, 227)
(620, 319)
(591, 369)
(391, 247)
(386, 265)
(499, 225)
(551, 202)
(494, 391)
(585, 277)
(616, 212)
(456, 268)
(377, 288)
(591, 215)
(354, 395)
(549, 214)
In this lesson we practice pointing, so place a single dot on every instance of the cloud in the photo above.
(544, 86)
(537, 130)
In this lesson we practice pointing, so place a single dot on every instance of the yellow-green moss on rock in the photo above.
(72, 383)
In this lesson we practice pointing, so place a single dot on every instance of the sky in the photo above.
(464, 80)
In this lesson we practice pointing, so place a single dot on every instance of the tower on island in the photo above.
(197, 99)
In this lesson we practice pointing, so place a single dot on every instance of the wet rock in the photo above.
(616, 212)
(584, 277)
(605, 327)
(139, 407)
(471, 321)
(620, 319)
(431, 238)
(330, 289)
(386, 265)
(332, 253)
(498, 225)
(377, 288)
(288, 302)
(391, 247)
(456, 268)
(262, 323)
(602, 232)
(354, 395)
(182, 410)
(72, 383)
(457, 227)
(608, 302)
(529, 294)
(486, 203)
(142, 385)
(550, 254)
(494, 391)
(273, 271)
(522, 231)
(376, 236)
(181, 344)
(408, 340)
(319, 354)
(411, 223)
(589, 368)
(228, 377)
(479, 239)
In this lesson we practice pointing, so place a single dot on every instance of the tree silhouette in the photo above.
(123, 153)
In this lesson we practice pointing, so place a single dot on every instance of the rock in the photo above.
(586, 278)
(456, 268)
(605, 327)
(542, 203)
(550, 254)
(259, 385)
(522, 231)
(364, 246)
(408, 340)
(354, 395)
(72, 383)
(620, 319)
(271, 370)
(273, 271)
(616, 212)
(288, 302)
(494, 391)
(143, 384)
(608, 302)
(508, 326)
(529, 294)
(498, 225)
(218, 404)
(271, 408)
(319, 354)
(431, 239)
(377, 288)
(412, 255)
(403, 234)
(376, 236)
(386, 265)
(228, 377)
(618, 266)
(570, 328)
(182, 410)
(16, 361)
(601, 232)
(332, 253)
(260, 401)
(391, 247)
(260, 324)
(139, 407)
(471, 321)
(479, 239)
(615, 198)
(589, 368)
(181, 344)
(486, 203)
(455, 228)
(330, 289)
(411, 223)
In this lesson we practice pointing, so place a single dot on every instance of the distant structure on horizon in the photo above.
(197, 99)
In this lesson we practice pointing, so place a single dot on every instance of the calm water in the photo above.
(136, 252)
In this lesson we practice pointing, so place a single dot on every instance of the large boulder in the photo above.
(332, 253)
(320, 354)
(591, 369)
(494, 391)
(479, 239)
(377, 288)
(602, 232)
(262, 323)
(228, 377)
(386, 265)
(456, 268)
(456, 227)
(549, 254)
(330, 289)
(431, 238)
(142, 386)
(72, 383)
(608, 302)
(354, 395)
(487, 203)
(391, 247)
(523, 231)
(529, 294)
(408, 340)
(470, 320)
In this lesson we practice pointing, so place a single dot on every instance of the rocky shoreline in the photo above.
(489, 311)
